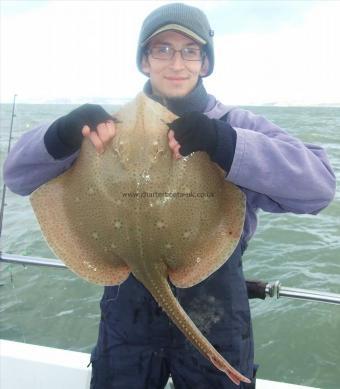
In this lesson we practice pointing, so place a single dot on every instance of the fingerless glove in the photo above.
(194, 131)
(64, 136)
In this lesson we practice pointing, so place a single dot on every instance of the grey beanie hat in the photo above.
(184, 18)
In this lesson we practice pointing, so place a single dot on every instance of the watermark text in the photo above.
(140, 195)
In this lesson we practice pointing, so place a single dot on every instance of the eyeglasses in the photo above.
(166, 53)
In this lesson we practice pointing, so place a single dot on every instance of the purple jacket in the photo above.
(277, 172)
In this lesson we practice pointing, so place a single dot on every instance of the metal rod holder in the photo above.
(275, 289)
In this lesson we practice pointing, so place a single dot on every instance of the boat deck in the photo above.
(36, 367)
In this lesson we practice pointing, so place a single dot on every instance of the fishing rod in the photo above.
(256, 289)
(8, 150)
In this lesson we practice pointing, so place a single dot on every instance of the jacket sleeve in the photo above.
(29, 165)
(282, 173)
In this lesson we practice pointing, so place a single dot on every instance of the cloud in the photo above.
(78, 50)
(256, 16)
(72, 49)
(296, 64)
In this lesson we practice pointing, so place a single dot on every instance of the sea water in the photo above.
(295, 341)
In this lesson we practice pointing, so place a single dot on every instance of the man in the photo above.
(138, 346)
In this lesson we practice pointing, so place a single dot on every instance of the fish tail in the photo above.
(162, 293)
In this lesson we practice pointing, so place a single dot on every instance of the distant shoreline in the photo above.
(119, 103)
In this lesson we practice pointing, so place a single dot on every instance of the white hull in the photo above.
(36, 367)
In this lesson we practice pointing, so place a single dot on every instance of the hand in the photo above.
(192, 132)
(174, 145)
(101, 136)
(88, 120)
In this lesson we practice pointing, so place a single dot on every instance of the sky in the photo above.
(280, 52)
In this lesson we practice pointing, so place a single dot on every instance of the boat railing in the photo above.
(256, 289)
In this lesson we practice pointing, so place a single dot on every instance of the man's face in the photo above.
(173, 77)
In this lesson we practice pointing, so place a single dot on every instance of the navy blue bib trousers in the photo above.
(138, 346)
